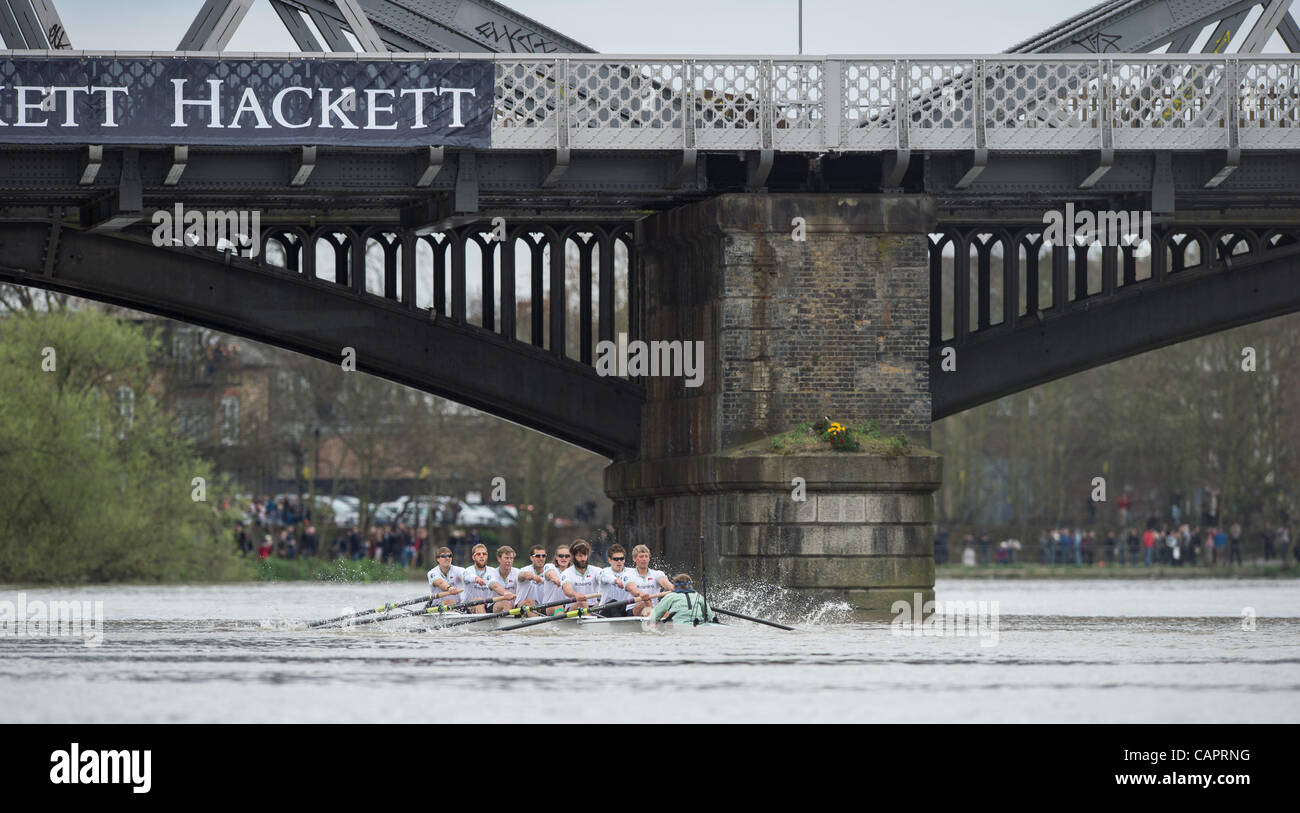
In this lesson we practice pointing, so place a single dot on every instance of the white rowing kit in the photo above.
(509, 582)
(649, 583)
(472, 591)
(612, 585)
(455, 577)
(583, 583)
(531, 589)
(552, 592)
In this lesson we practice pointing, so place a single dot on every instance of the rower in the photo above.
(478, 579)
(445, 578)
(683, 605)
(505, 579)
(553, 590)
(613, 582)
(580, 579)
(643, 582)
(533, 576)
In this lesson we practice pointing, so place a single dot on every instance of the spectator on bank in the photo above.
(1149, 543)
(986, 542)
(1045, 547)
(1234, 543)
(264, 550)
(940, 546)
(1110, 547)
(310, 541)
(1220, 545)
(1132, 543)
(1123, 504)
(968, 555)
(1266, 536)
(1283, 543)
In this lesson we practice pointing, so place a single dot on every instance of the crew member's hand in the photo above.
(480, 582)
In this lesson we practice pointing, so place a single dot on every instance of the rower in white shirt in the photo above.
(580, 579)
(532, 578)
(445, 578)
(478, 580)
(613, 583)
(554, 591)
(505, 579)
(643, 582)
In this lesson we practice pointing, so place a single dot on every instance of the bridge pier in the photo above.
(835, 326)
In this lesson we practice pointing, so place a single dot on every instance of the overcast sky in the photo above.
(645, 26)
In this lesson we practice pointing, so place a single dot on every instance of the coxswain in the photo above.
(683, 605)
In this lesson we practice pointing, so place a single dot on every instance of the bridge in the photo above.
(471, 201)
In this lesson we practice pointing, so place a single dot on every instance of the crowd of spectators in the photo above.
(1161, 540)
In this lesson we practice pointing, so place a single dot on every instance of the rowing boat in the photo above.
(457, 621)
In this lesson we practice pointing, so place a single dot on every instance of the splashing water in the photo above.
(781, 604)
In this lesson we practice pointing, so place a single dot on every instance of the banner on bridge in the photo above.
(245, 102)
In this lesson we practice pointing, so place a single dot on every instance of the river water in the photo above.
(1133, 651)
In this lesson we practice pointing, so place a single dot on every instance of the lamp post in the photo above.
(800, 27)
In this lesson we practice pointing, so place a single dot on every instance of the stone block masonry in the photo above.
(833, 326)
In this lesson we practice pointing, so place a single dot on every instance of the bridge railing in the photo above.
(807, 104)
(857, 103)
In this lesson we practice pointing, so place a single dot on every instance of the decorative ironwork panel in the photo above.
(1268, 104)
(625, 104)
(869, 97)
(1043, 105)
(942, 104)
(729, 104)
(798, 98)
(1168, 104)
(525, 116)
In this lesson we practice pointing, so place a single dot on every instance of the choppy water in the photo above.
(1108, 651)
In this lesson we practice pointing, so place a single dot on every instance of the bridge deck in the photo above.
(853, 103)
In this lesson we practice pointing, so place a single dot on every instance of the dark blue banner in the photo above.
(234, 102)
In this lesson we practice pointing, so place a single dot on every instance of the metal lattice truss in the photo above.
(32, 24)
(461, 26)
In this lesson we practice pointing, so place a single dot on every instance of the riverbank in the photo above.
(331, 570)
(1092, 572)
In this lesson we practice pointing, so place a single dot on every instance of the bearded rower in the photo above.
(643, 582)
(478, 580)
(580, 579)
(445, 578)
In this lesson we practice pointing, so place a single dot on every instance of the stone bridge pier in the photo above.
(835, 325)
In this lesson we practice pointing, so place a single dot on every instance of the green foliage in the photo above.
(86, 493)
(329, 570)
(825, 433)
(897, 445)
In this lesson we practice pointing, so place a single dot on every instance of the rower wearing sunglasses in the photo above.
(537, 573)
(445, 577)
(613, 583)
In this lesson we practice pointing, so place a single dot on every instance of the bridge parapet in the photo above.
(825, 104)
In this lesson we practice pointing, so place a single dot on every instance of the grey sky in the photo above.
(646, 26)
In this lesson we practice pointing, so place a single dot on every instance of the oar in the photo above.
(752, 618)
(578, 613)
(435, 609)
(384, 608)
(516, 611)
